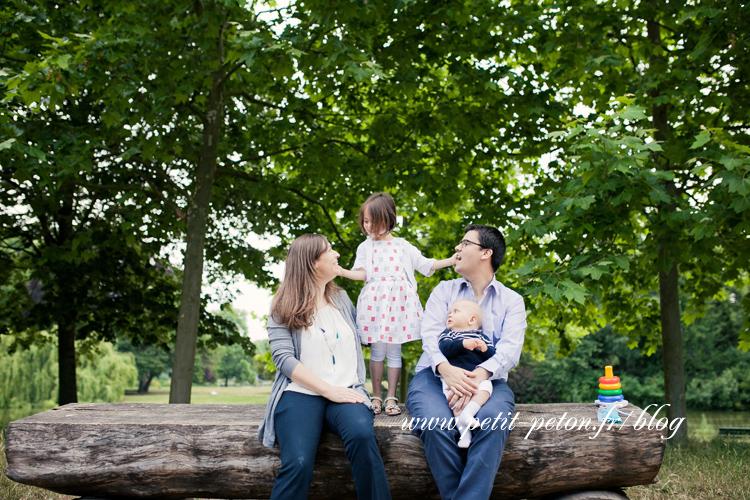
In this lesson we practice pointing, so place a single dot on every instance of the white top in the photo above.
(329, 339)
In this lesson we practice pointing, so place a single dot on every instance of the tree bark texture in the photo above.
(671, 329)
(212, 451)
(197, 218)
(67, 322)
(67, 392)
(671, 337)
(145, 382)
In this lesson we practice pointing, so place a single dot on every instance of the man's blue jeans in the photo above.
(460, 478)
(300, 419)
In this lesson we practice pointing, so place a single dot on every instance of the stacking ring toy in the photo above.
(614, 392)
(609, 377)
(610, 387)
(611, 399)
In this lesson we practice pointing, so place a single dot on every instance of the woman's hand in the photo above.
(343, 395)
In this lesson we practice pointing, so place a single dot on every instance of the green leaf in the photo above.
(622, 262)
(633, 113)
(7, 144)
(730, 162)
(658, 195)
(700, 140)
(554, 293)
(48, 37)
(62, 61)
(524, 269)
(594, 272)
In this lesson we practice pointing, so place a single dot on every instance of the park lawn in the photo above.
(701, 470)
(203, 395)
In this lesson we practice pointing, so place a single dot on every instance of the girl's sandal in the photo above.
(377, 404)
(393, 409)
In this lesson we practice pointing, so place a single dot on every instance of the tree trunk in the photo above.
(671, 332)
(197, 218)
(67, 287)
(145, 382)
(671, 337)
(212, 451)
(67, 391)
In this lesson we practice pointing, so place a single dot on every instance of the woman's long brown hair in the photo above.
(295, 302)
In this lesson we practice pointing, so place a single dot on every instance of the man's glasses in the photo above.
(468, 242)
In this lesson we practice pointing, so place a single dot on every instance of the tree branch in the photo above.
(325, 211)
(257, 101)
(12, 59)
(252, 178)
(197, 112)
(257, 158)
(231, 72)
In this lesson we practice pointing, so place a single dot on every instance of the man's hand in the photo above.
(481, 374)
(459, 381)
(458, 402)
(471, 344)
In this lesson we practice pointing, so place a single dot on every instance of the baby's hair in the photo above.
(382, 211)
(474, 309)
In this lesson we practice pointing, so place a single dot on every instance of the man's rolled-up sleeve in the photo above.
(433, 324)
(509, 346)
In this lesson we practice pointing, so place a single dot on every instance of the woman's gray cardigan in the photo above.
(285, 350)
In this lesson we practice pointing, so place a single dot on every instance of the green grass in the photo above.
(204, 395)
(701, 470)
(10, 490)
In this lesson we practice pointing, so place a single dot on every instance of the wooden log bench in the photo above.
(154, 451)
(735, 431)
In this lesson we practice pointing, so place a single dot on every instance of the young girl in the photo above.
(388, 310)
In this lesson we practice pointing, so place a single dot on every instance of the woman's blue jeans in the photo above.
(458, 474)
(300, 419)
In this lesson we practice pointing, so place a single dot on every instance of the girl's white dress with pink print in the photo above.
(388, 309)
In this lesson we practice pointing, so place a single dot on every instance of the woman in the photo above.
(320, 375)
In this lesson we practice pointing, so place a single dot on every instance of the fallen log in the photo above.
(211, 451)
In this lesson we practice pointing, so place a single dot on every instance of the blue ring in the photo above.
(610, 399)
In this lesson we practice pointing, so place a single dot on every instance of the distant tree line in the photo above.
(715, 370)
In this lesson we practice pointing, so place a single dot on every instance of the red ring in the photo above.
(606, 380)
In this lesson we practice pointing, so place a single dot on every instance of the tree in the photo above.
(624, 210)
(234, 363)
(150, 360)
(284, 120)
(75, 265)
(78, 230)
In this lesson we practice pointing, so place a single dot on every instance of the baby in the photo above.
(465, 346)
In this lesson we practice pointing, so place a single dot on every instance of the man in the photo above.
(472, 475)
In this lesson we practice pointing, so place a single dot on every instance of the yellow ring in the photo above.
(609, 387)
